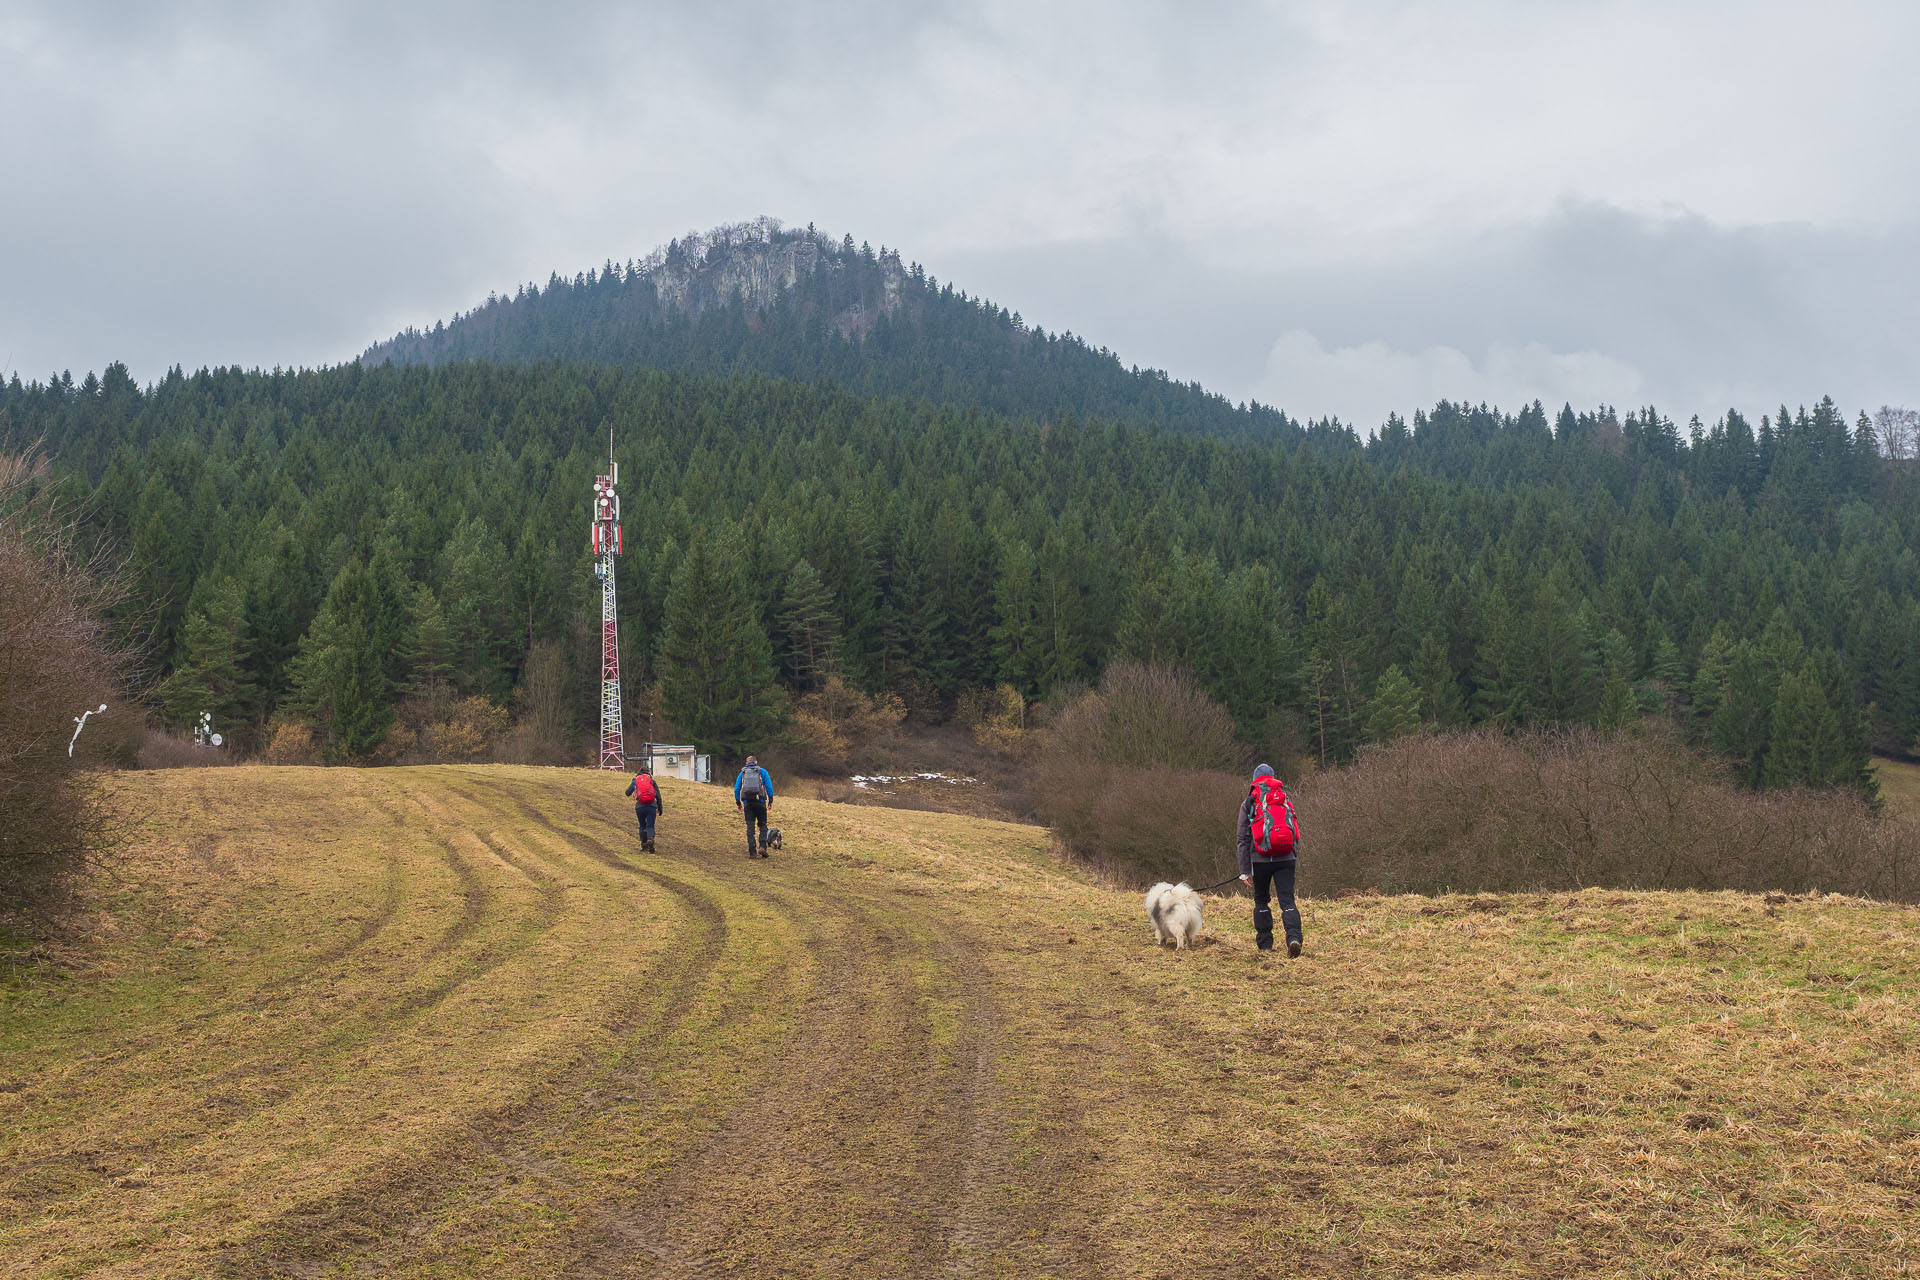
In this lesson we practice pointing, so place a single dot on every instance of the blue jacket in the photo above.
(766, 783)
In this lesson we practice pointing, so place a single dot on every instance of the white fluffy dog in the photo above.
(1174, 912)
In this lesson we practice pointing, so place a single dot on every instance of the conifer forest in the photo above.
(316, 547)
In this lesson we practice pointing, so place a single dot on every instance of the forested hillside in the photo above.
(795, 304)
(316, 548)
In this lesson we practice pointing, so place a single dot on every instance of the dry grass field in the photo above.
(1899, 785)
(450, 1022)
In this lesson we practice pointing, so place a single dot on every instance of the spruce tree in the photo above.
(1843, 755)
(806, 618)
(211, 674)
(1395, 711)
(342, 676)
(1433, 676)
(715, 663)
(1018, 637)
(1803, 731)
(1617, 707)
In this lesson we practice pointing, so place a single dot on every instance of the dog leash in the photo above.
(1210, 888)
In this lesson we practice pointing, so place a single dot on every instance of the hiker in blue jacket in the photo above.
(753, 796)
(1271, 868)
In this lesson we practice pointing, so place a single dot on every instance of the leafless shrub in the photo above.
(158, 749)
(996, 717)
(839, 725)
(1143, 777)
(55, 662)
(468, 732)
(292, 743)
(541, 728)
(1483, 811)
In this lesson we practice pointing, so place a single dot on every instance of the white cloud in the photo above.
(1363, 383)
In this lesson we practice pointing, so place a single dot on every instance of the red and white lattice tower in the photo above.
(606, 545)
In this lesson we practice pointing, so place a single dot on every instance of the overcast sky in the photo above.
(1336, 208)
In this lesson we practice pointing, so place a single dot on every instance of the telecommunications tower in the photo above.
(606, 545)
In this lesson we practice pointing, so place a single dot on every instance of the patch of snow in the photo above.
(866, 780)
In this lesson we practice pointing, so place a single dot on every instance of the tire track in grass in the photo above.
(940, 1182)
(936, 1133)
(167, 1119)
(979, 1209)
(246, 1096)
(386, 1204)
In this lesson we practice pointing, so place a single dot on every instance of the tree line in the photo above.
(323, 546)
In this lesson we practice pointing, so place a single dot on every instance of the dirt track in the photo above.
(452, 1022)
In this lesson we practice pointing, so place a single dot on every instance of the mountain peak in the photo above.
(760, 298)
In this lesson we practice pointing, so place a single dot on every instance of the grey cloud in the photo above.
(227, 182)
(1707, 318)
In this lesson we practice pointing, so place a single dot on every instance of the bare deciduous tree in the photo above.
(1897, 431)
(54, 663)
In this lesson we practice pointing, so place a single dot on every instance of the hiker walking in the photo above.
(753, 796)
(647, 804)
(1269, 848)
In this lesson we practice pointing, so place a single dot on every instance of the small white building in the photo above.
(678, 760)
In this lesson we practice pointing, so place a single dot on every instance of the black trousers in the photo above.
(756, 810)
(1274, 880)
(646, 813)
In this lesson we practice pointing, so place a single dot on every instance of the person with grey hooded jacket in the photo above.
(1269, 874)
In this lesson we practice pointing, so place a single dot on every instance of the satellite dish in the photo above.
(216, 740)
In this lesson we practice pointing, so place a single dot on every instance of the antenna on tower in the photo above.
(607, 545)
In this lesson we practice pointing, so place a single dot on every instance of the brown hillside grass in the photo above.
(448, 1021)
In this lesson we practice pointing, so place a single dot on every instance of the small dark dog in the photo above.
(773, 838)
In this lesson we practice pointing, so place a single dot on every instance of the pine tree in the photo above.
(806, 617)
(1709, 685)
(429, 664)
(1018, 637)
(1396, 708)
(1743, 721)
(342, 676)
(1803, 732)
(1666, 673)
(1433, 676)
(715, 663)
(1617, 707)
(211, 674)
(1842, 755)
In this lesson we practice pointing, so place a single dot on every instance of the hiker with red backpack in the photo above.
(1269, 849)
(647, 804)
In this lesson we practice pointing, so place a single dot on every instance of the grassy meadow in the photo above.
(1899, 785)
(450, 1021)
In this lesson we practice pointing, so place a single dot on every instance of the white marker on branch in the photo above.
(79, 723)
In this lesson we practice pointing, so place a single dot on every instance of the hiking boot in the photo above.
(1293, 948)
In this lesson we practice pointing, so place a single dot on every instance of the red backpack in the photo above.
(1275, 833)
(644, 792)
